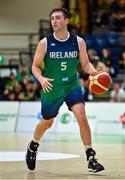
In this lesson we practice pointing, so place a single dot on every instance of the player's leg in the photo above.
(41, 128)
(32, 147)
(79, 112)
(49, 111)
(75, 103)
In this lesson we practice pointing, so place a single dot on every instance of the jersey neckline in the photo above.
(61, 40)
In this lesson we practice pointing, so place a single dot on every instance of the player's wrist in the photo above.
(95, 72)
(40, 78)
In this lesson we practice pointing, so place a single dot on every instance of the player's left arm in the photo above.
(84, 60)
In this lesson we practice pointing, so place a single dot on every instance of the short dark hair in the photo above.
(63, 10)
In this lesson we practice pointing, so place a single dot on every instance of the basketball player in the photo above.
(61, 52)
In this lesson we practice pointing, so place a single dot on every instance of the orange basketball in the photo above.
(99, 83)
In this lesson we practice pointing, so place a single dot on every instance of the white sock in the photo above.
(35, 141)
(87, 147)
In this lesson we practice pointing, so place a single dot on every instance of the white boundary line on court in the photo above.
(20, 156)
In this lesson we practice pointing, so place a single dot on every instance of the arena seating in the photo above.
(99, 41)
(109, 40)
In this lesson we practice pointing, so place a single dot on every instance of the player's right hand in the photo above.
(46, 84)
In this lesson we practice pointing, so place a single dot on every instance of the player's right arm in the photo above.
(36, 66)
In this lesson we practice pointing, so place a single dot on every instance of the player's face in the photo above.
(58, 21)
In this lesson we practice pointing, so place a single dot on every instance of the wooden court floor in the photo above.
(110, 152)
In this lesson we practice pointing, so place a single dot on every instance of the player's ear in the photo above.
(67, 20)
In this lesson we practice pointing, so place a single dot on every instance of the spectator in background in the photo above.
(24, 82)
(11, 96)
(106, 59)
(23, 71)
(2, 86)
(117, 15)
(5, 93)
(37, 93)
(93, 55)
(122, 61)
(24, 90)
(74, 23)
(95, 59)
(101, 14)
(30, 91)
(101, 66)
(9, 87)
(11, 81)
(117, 94)
(106, 56)
(19, 95)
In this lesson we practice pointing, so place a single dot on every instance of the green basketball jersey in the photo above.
(60, 63)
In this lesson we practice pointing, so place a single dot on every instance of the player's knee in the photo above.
(48, 124)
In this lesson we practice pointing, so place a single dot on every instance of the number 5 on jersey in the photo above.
(63, 66)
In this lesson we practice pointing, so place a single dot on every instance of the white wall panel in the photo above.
(23, 15)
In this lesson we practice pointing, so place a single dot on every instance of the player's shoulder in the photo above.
(76, 38)
(43, 41)
(73, 36)
(80, 39)
(42, 45)
(81, 42)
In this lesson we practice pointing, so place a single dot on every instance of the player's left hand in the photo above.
(96, 72)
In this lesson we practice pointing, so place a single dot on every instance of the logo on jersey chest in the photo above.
(66, 54)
